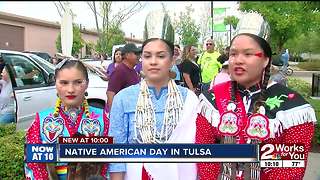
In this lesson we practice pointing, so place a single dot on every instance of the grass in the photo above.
(310, 65)
(315, 103)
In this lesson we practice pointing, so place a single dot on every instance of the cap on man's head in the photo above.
(130, 47)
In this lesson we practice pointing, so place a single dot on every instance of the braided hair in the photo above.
(264, 81)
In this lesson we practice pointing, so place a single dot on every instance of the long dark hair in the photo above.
(114, 54)
(264, 80)
(170, 45)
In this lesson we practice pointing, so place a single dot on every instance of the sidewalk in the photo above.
(313, 171)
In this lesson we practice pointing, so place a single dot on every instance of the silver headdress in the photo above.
(253, 23)
(158, 25)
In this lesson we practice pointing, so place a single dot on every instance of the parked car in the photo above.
(97, 63)
(43, 55)
(37, 92)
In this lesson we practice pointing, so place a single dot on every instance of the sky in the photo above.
(46, 10)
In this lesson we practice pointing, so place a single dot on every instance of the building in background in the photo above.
(20, 33)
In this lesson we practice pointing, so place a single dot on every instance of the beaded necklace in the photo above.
(145, 130)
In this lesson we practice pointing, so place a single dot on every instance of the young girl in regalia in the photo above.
(251, 109)
(71, 117)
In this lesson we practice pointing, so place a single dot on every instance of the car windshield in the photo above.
(43, 63)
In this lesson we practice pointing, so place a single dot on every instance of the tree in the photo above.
(308, 42)
(117, 38)
(77, 41)
(232, 21)
(187, 28)
(286, 19)
(109, 28)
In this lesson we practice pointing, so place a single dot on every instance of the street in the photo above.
(312, 171)
(304, 75)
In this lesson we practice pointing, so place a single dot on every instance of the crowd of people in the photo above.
(162, 94)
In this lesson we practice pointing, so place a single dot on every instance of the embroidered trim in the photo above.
(292, 117)
(208, 111)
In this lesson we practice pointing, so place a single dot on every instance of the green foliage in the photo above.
(300, 86)
(77, 41)
(286, 19)
(108, 38)
(315, 103)
(308, 42)
(7, 129)
(310, 65)
(11, 152)
(231, 20)
(187, 28)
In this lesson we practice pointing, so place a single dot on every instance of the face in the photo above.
(132, 57)
(246, 61)
(71, 86)
(117, 56)
(210, 45)
(193, 52)
(156, 61)
(176, 51)
(5, 75)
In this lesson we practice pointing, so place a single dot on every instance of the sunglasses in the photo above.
(209, 44)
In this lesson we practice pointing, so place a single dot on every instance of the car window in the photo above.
(25, 72)
(43, 63)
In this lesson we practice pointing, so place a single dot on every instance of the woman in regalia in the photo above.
(154, 111)
(252, 109)
(71, 117)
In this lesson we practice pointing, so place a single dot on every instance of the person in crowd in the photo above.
(190, 69)
(250, 109)
(2, 64)
(208, 62)
(177, 55)
(117, 59)
(124, 75)
(275, 71)
(138, 66)
(224, 56)
(172, 108)
(285, 59)
(222, 76)
(177, 67)
(7, 110)
(72, 116)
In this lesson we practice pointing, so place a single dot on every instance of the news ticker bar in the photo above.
(282, 163)
(141, 153)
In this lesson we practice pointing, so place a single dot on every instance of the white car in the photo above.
(37, 92)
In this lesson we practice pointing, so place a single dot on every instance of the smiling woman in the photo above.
(70, 117)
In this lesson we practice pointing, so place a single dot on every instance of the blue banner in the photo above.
(158, 153)
(41, 153)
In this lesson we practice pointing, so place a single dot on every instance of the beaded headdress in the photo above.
(158, 25)
(253, 23)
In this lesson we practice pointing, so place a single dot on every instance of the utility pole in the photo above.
(211, 19)
(230, 34)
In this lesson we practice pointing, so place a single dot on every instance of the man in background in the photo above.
(124, 74)
(208, 62)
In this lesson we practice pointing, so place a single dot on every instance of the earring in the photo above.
(86, 94)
